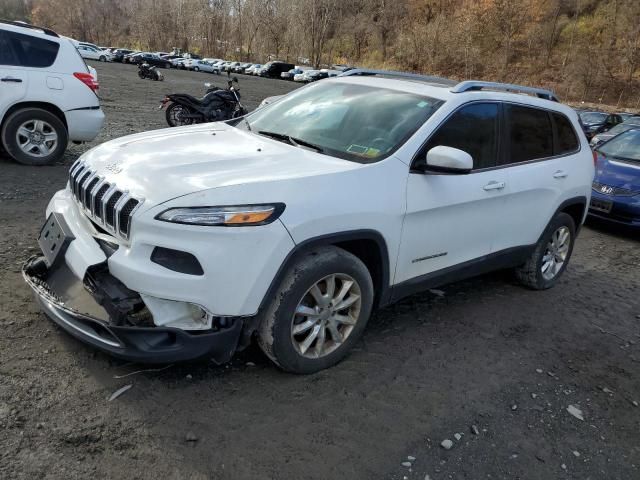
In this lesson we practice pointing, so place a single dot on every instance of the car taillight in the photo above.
(88, 80)
(595, 157)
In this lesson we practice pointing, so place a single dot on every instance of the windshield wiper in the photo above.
(296, 142)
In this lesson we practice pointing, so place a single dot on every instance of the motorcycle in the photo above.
(147, 71)
(217, 104)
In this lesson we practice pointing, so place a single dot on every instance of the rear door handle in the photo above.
(494, 186)
(11, 79)
(560, 174)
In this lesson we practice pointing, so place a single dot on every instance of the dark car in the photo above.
(120, 53)
(275, 68)
(317, 75)
(616, 186)
(131, 57)
(631, 122)
(242, 67)
(152, 59)
(597, 122)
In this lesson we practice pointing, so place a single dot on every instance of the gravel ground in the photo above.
(484, 363)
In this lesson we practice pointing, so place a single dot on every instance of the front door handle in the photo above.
(560, 174)
(11, 79)
(494, 186)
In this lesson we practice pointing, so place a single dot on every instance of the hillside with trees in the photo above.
(586, 50)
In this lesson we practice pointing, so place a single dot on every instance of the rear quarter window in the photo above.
(30, 51)
(566, 139)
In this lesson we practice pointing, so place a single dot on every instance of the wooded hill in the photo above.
(586, 50)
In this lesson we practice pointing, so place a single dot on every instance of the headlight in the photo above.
(228, 216)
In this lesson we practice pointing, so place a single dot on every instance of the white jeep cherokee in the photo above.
(47, 94)
(293, 223)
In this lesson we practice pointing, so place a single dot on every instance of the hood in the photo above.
(164, 164)
(618, 173)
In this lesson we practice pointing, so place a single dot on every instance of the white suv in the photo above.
(293, 223)
(47, 95)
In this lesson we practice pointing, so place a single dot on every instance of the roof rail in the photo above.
(471, 85)
(28, 25)
(391, 73)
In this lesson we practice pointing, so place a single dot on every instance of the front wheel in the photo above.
(102, 58)
(140, 74)
(196, 69)
(318, 312)
(549, 260)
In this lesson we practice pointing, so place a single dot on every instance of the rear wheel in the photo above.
(552, 253)
(34, 137)
(175, 115)
(318, 312)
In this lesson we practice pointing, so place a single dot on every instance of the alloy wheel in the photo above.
(36, 138)
(326, 315)
(556, 253)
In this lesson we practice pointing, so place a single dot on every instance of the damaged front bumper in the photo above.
(69, 303)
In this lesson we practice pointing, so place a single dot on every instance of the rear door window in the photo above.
(566, 139)
(32, 51)
(530, 134)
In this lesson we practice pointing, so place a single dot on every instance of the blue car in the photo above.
(616, 186)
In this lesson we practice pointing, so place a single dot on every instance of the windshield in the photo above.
(625, 146)
(355, 122)
(593, 117)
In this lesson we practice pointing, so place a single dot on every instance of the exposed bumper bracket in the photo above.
(136, 344)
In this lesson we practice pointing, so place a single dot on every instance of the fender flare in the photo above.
(580, 200)
(382, 286)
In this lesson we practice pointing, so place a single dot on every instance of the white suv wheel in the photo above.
(34, 136)
(318, 312)
(37, 138)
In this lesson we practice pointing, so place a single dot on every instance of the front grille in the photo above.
(105, 204)
(613, 191)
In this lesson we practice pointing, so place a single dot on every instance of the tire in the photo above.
(275, 332)
(532, 273)
(102, 58)
(35, 120)
(172, 111)
(196, 69)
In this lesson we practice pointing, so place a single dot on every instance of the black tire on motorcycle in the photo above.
(172, 115)
(140, 74)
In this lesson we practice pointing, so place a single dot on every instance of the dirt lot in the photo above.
(483, 355)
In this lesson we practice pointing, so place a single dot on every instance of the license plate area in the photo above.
(603, 206)
(54, 238)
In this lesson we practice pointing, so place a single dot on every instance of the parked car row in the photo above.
(615, 140)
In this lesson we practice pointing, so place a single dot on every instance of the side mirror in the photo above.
(448, 160)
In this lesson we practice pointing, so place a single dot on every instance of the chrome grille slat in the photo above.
(116, 211)
(94, 194)
(102, 202)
